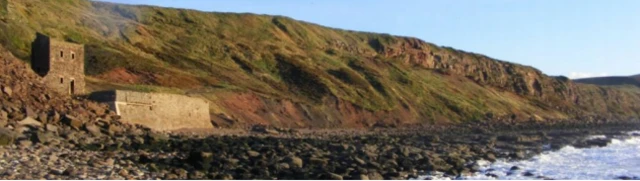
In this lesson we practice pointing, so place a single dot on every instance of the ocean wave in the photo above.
(621, 158)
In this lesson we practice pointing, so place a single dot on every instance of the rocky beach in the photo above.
(282, 154)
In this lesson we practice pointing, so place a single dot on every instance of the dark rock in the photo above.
(264, 130)
(491, 175)
(515, 168)
(200, 159)
(70, 172)
(528, 174)
(57, 171)
(598, 142)
(475, 167)
(144, 158)
(518, 154)
(625, 178)
(54, 118)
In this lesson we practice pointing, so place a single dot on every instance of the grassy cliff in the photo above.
(277, 70)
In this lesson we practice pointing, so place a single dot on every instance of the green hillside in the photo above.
(277, 70)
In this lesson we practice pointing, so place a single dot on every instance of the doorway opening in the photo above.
(72, 87)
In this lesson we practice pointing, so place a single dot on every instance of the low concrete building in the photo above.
(158, 111)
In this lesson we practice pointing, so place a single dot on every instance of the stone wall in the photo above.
(60, 64)
(158, 111)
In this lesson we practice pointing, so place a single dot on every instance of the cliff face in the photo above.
(276, 70)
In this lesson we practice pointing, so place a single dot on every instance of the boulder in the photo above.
(28, 121)
(360, 177)
(4, 116)
(334, 176)
(157, 137)
(518, 154)
(7, 90)
(44, 137)
(114, 130)
(294, 161)
(264, 130)
(252, 153)
(200, 159)
(375, 176)
(43, 117)
(51, 128)
(25, 143)
(72, 121)
(54, 118)
(6, 136)
(29, 112)
(93, 129)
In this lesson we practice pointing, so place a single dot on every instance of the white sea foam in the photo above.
(620, 158)
(596, 137)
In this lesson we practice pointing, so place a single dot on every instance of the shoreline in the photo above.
(388, 153)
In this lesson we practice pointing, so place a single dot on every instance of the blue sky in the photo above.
(575, 38)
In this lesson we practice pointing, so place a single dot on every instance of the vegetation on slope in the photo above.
(611, 80)
(278, 58)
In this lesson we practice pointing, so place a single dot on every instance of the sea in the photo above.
(618, 160)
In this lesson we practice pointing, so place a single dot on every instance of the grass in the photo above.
(183, 51)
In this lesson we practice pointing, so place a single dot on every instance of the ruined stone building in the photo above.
(60, 64)
(158, 111)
